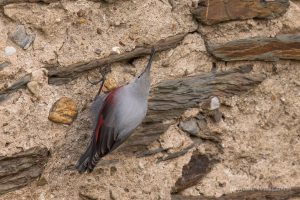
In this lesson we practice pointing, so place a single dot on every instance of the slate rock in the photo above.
(7, 2)
(21, 38)
(251, 194)
(285, 47)
(190, 127)
(21, 169)
(4, 64)
(194, 171)
(215, 11)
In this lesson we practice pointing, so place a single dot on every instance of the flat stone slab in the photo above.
(215, 11)
(19, 170)
(170, 98)
(285, 47)
(194, 171)
(254, 194)
(21, 38)
(6, 2)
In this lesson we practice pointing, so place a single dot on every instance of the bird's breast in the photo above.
(132, 112)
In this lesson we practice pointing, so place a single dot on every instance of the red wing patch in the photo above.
(98, 128)
(108, 103)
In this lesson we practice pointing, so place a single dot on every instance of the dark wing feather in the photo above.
(96, 107)
(100, 148)
(103, 138)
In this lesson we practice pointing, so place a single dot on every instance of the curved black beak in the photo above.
(148, 67)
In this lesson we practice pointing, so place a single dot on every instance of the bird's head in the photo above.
(143, 80)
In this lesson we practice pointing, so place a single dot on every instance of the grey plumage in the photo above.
(116, 115)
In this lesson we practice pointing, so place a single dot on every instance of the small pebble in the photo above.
(110, 84)
(214, 103)
(190, 127)
(82, 20)
(113, 195)
(4, 64)
(63, 111)
(130, 70)
(216, 116)
(21, 38)
(42, 181)
(122, 44)
(34, 88)
(3, 97)
(99, 31)
(141, 165)
(116, 50)
(194, 3)
(113, 170)
(80, 13)
(98, 51)
(9, 51)
(273, 97)
(39, 75)
(202, 124)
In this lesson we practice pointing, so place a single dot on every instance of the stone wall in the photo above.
(223, 119)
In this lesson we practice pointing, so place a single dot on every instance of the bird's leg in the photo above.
(103, 71)
(91, 82)
(100, 89)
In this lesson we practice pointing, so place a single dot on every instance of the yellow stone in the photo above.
(82, 20)
(110, 84)
(63, 111)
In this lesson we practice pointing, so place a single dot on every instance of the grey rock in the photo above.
(3, 97)
(216, 116)
(201, 121)
(202, 124)
(190, 127)
(21, 38)
(4, 64)
(214, 103)
(9, 51)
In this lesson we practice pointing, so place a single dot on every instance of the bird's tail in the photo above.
(87, 161)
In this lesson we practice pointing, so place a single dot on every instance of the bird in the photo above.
(115, 116)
